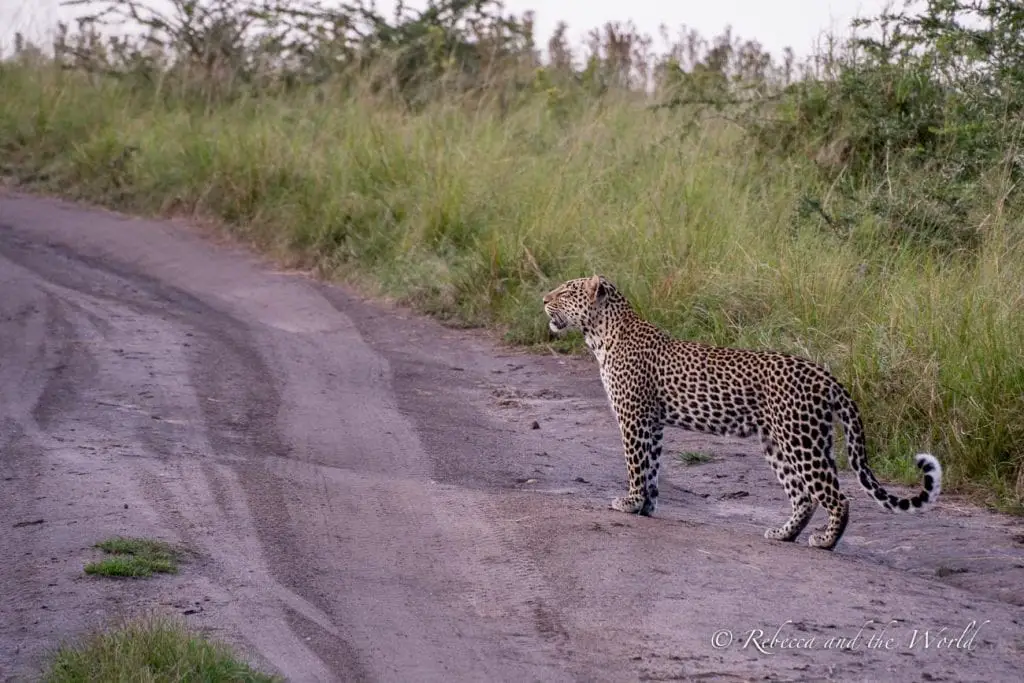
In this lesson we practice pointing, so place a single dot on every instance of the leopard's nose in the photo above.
(547, 298)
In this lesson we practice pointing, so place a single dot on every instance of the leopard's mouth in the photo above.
(557, 322)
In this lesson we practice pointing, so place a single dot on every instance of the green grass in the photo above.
(470, 213)
(693, 458)
(151, 650)
(134, 557)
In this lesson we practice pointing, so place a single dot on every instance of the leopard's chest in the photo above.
(619, 375)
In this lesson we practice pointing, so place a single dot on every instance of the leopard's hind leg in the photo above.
(800, 498)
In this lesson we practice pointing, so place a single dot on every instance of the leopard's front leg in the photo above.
(641, 442)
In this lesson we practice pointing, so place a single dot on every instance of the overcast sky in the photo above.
(774, 23)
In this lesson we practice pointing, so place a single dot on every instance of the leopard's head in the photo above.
(578, 304)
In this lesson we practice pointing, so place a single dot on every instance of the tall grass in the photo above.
(470, 210)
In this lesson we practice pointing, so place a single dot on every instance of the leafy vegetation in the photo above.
(862, 208)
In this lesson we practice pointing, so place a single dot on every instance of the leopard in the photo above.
(790, 403)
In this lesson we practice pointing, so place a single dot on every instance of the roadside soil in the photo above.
(367, 495)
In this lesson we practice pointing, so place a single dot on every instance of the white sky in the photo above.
(774, 23)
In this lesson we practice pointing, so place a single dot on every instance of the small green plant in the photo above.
(134, 557)
(156, 650)
(689, 458)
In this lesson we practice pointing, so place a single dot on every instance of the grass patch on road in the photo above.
(151, 650)
(690, 458)
(135, 558)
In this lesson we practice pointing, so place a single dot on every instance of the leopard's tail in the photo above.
(846, 410)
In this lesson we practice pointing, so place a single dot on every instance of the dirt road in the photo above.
(372, 497)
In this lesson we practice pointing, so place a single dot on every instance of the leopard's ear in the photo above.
(598, 288)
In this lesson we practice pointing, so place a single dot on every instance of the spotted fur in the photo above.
(653, 380)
